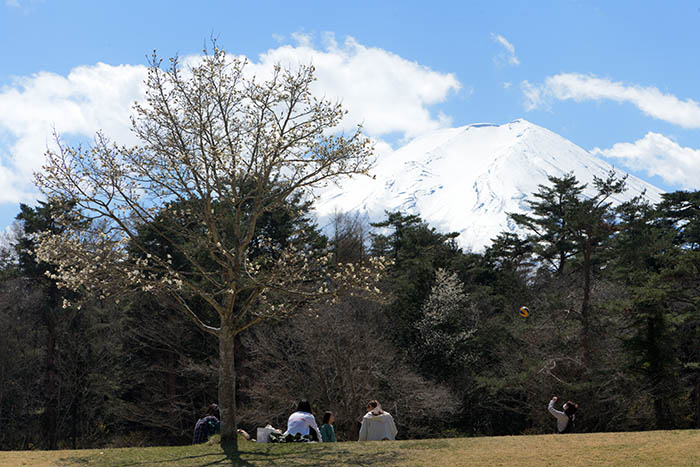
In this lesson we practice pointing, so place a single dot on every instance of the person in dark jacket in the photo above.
(207, 425)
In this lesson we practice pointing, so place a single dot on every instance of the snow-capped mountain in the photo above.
(466, 179)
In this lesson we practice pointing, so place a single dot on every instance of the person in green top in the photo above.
(327, 430)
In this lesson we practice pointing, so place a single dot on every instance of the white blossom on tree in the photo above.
(449, 319)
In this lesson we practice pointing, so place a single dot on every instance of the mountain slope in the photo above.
(466, 179)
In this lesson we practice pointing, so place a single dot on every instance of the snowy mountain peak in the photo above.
(466, 179)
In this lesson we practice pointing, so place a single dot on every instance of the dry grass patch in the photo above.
(659, 448)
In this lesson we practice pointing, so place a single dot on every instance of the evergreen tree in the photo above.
(592, 225)
(418, 251)
(644, 257)
(567, 228)
(548, 225)
(60, 391)
(680, 211)
(49, 311)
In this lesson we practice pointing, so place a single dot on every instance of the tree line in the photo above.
(613, 293)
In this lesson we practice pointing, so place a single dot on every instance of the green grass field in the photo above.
(658, 448)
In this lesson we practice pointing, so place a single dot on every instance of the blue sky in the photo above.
(617, 78)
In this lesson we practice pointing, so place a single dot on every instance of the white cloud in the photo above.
(381, 90)
(507, 57)
(659, 156)
(88, 99)
(579, 87)
(388, 94)
(12, 3)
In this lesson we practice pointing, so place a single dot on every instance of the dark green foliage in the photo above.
(660, 260)
(655, 304)
(551, 234)
(54, 360)
(171, 373)
(614, 295)
(680, 210)
(418, 251)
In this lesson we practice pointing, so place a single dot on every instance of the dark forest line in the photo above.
(614, 324)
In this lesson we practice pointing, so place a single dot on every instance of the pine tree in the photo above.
(548, 225)
(681, 211)
(644, 257)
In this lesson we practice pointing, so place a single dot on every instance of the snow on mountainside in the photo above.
(465, 179)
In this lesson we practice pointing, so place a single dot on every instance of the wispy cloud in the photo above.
(26, 5)
(579, 87)
(534, 96)
(386, 93)
(507, 56)
(659, 156)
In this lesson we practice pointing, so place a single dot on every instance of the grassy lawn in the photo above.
(658, 448)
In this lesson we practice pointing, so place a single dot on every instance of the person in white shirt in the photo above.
(303, 422)
(565, 419)
(377, 425)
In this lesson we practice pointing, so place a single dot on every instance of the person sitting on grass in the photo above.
(302, 422)
(207, 425)
(565, 419)
(377, 425)
(327, 430)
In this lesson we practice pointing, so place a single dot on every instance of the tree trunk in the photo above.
(227, 385)
(660, 413)
(171, 382)
(50, 416)
(562, 261)
(696, 421)
(585, 305)
(657, 369)
(74, 421)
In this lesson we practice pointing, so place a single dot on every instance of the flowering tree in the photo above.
(218, 151)
(449, 320)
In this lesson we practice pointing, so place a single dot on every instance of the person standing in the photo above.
(565, 419)
(377, 425)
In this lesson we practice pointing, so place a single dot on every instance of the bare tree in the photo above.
(350, 235)
(340, 359)
(218, 150)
